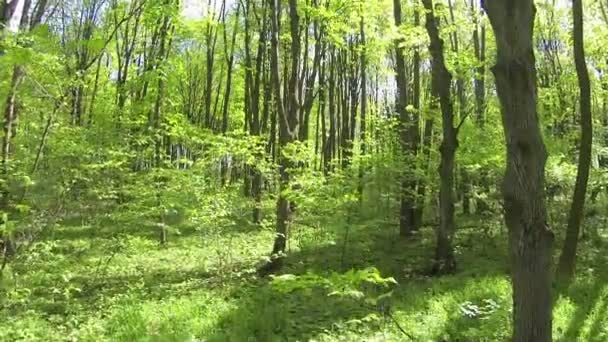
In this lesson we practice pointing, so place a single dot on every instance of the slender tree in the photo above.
(408, 137)
(441, 87)
(287, 109)
(363, 117)
(567, 260)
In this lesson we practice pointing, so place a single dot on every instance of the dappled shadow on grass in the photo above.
(108, 230)
(82, 230)
(90, 291)
(86, 273)
(267, 313)
(587, 293)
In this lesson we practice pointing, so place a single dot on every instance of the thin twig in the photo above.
(399, 327)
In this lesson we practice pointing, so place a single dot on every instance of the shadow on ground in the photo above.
(268, 313)
(588, 293)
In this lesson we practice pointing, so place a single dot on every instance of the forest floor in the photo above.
(90, 283)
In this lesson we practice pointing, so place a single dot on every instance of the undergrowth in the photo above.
(81, 283)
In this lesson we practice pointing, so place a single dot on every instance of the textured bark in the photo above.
(445, 261)
(530, 239)
(567, 261)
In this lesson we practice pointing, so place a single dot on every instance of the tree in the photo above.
(567, 260)
(253, 84)
(10, 21)
(408, 133)
(530, 239)
(287, 109)
(441, 87)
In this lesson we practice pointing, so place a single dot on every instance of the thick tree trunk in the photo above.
(530, 238)
(567, 261)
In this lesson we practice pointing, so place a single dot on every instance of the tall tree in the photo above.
(408, 132)
(287, 108)
(479, 45)
(10, 20)
(254, 75)
(441, 87)
(530, 239)
(363, 117)
(567, 260)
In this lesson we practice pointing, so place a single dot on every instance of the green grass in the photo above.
(89, 283)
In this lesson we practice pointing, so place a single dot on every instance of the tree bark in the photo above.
(288, 118)
(445, 261)
(567, 260)
(530, 239)
(408, 141)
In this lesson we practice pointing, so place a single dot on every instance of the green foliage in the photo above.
(91, 183)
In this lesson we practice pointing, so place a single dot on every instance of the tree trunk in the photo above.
(156, 122)
(11, 115)
(441, 84)
(330, 146)
(408, 141)
(479, 44)
(427, 132)
(9, 20)
(288, 118)
(567, 261)
(210, 40)
(363, 117)
(530, 238)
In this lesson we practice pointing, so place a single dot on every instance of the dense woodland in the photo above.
(304, 170)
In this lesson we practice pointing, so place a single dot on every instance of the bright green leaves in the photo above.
(349, 284)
